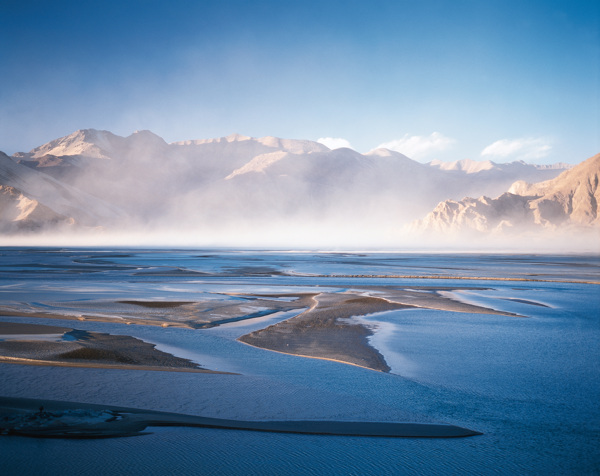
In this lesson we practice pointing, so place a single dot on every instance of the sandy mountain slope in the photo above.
(88, 143)
(19, 213)
(22, 184)
(571, 197)
(567, 201)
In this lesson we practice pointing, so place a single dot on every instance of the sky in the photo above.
(434, 79)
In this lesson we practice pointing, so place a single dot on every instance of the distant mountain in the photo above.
(491, 178)
(571, 197)
(87, 143)
(99, 179)
(569, 201)
(19, 213)
(469, 166)
(32, 200)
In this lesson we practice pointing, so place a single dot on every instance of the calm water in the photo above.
(531, 385)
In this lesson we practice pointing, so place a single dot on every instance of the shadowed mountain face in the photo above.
(569, 201)
(33, 199)
(98, 179)
(19, 213)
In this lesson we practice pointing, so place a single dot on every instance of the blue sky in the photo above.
(500, 80)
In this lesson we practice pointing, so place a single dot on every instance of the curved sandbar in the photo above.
(326, 331)
(44, 418)
(22, 344)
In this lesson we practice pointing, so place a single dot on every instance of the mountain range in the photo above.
(101, 182)
(567, 203)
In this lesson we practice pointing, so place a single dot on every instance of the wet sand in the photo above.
(435, 298)
(12, 311)
(157, 304)
(184, 314)
(56, 419)
(326, 330)
(77, 348)
(14, 328)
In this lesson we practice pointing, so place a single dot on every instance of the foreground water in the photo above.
(530, 384)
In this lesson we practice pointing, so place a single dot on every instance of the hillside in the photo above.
(569, 201)
(238, 184)
(19, 213)
(25, 189)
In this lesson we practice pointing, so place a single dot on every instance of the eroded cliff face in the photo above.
(571, 197)
(20, 213)
(567, 201)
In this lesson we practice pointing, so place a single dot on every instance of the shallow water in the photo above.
(530, 384)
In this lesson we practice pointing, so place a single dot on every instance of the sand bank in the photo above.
(86, 349)
(225, 307)
(56, 419)
(326, 331)
(15, 328)
(220, 308)
(13, 311)
(323, 330)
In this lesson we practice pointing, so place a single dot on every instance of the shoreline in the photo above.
(315, 357)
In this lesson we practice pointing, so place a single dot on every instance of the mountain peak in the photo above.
(144, 133)
(235, 137)
(88, 142)
(294, 146)
(467, 166)
(381, 152)
(147, 137)
(569, 200)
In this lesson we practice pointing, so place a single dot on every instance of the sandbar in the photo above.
(220, 308)
(325, 331)
(86, 349)
(56, 419)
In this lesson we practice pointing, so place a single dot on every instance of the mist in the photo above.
(95, 188)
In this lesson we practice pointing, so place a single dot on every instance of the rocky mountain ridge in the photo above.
(567, 201)
(94, 179)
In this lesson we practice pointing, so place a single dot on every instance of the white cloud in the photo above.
(416, 147)
(334, 142)
(525, 148)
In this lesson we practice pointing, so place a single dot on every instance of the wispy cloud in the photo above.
(527, 148)
(334, 142)
(417, 147)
